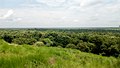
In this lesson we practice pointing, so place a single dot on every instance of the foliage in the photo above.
(25, 56)
(101, 41)
(71, 46)
(47, 42)
(20, 41)
(39, 44)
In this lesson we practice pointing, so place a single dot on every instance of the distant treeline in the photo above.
(105, 41)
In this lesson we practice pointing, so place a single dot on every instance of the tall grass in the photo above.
(25, 56)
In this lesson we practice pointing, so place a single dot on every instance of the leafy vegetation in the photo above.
(104, 42)
(26, 56)
(101, 41)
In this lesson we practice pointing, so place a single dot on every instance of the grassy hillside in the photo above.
(25, 56)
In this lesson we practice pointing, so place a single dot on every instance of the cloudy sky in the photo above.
(59, 13)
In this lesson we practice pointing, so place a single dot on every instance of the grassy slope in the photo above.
(25, 56)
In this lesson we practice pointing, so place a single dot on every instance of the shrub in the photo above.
(39, 44)
(71, 46)
(47, 42)
(20, 41)
(83, 47)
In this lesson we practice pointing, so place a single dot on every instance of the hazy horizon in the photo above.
(59, 13)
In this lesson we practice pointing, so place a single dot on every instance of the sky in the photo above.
(59, 13)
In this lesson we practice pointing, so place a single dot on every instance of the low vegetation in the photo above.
(38, 56)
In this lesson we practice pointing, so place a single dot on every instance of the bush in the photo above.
(20, 41)
(71, 46)
(39, 44)
(86, 46)
(47, 42)
(8, 38)
(83, 47)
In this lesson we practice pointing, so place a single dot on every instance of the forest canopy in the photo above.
(104, 42)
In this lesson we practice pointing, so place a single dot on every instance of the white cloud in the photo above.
(8, 14)
(51, 2)
(73, 13)
(76, 20)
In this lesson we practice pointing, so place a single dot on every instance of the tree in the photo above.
(39, 44)
(20, 41)
(47, 42)
(71, 46)
(8, 38)
(83, 47)
(63, 40)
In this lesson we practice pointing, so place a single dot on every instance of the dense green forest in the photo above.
(101, 41)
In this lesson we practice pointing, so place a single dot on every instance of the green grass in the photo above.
(26, 56)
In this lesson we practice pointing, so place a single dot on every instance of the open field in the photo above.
(25, 56)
